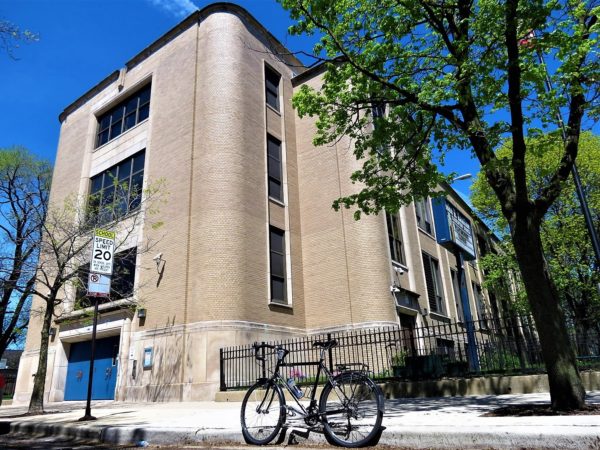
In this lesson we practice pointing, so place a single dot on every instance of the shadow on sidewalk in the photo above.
(466, 405)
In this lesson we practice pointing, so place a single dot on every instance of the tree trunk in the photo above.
(566, 388)
(36, 404)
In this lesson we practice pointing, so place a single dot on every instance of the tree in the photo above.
(565, 239)
(11, 35)
(24, 188)
(459, 76)
(65, 249)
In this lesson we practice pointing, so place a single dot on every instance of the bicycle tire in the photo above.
(351, 408)
(263, 413)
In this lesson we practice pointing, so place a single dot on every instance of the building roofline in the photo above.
(317, 69)
(193, 19)
(309, 73)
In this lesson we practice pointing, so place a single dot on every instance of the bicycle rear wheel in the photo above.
(351, 407)
(263, 413)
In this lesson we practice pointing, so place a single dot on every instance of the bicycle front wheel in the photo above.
(351, 407)
(263, 413)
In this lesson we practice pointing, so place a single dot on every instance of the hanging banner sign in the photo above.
(103, 252)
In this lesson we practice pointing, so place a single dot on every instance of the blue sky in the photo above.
(83, 41)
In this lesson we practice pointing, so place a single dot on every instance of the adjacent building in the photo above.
(250, 248)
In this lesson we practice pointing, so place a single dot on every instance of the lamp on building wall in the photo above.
(52, 332)
(158, 259)
(141, 313)
(399, 270)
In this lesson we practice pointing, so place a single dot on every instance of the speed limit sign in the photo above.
(102, 252)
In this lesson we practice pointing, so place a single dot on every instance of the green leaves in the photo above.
(564, 234)
(440, 71)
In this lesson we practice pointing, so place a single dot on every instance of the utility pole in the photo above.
(578, 187)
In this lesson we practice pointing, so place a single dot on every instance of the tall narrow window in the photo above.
(124, 116)
(480, 304)
(277, 263)
(117, 191)
(434, 284)
(274, 168)
(423, 211)
(457, 299)
(272, 80)
(395, 237)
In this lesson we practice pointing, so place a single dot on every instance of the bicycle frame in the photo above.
(336, 418)
(311, 411)
(313, 392)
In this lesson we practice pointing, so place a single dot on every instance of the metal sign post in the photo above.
(101, 267)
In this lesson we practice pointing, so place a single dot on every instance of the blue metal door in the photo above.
(105, 369)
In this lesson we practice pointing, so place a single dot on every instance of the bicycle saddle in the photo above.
(326, 344)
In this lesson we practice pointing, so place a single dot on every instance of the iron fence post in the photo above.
(264, 361)
(330, 354)
(223, 386)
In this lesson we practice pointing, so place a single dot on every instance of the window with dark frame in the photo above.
(122, 279)
(457, 299)
(274, 168)
(124, 116)
(272, 80)
(395, 237)
(445, 348)
(277, 265)
(434, 284)
(117, 191)
(423, 212)
(480, 305)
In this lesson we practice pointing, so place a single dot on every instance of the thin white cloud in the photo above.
(178, 8)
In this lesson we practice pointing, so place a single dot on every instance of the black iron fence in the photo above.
(453, 349)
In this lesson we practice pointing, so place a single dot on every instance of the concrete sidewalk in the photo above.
(449, 422)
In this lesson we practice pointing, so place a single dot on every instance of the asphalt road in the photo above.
(20, 442)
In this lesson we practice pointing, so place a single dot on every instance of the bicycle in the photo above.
(350, 407)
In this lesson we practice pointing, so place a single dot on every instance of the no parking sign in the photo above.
(98, 285)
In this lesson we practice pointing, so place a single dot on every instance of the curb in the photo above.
(127, 435)
(504, 439)
(574, 438)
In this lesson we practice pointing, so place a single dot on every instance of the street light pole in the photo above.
(578, 187)
(88, 405)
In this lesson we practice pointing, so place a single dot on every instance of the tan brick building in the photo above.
(251, 248)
